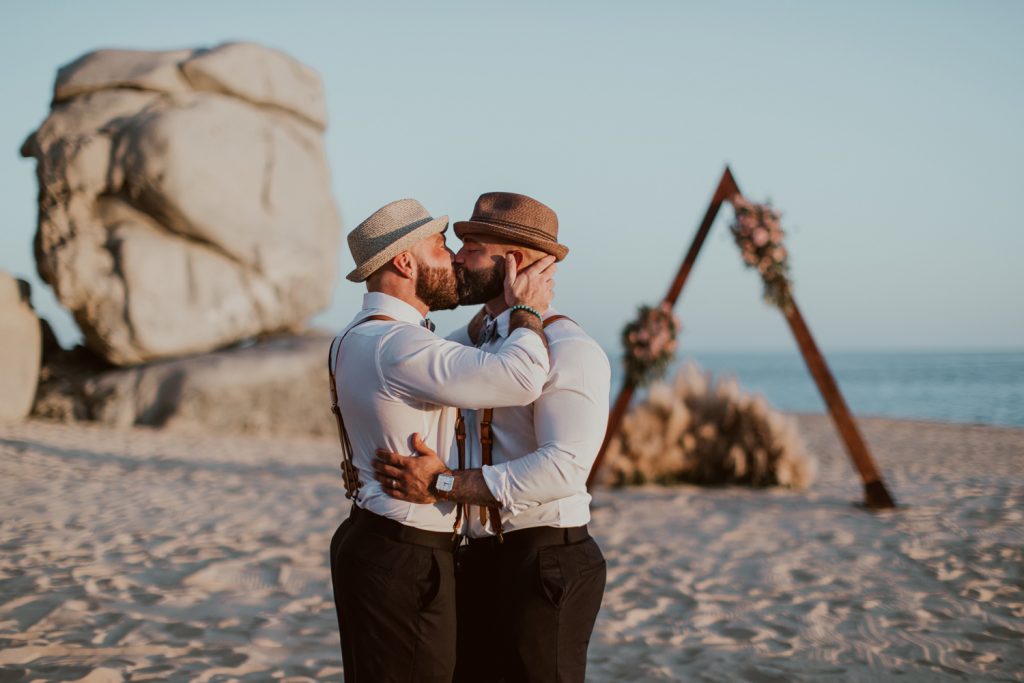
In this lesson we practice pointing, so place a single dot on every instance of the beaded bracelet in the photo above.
(528, 309)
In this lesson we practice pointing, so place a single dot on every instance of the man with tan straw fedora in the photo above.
(530, 578)
(391, 376)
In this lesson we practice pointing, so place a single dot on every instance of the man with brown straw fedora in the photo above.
(530, 578)
(391, 560)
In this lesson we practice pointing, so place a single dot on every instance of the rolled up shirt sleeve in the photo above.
(417, 365)
(570, 419)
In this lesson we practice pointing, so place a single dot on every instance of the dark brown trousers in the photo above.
(527, 607)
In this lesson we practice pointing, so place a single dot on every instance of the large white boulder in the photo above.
(21, 349)
(185, 198)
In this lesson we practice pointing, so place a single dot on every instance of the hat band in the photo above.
(536, 233)
(376, 245)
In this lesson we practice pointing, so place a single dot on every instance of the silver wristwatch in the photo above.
(444, 484)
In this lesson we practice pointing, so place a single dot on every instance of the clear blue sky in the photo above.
(889, 133)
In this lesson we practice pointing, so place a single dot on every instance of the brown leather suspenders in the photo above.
(460, 446)
(487, 444)
(555, 319)
(348, 470)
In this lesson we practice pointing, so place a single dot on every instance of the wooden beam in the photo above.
(876, 496)
(725, 191)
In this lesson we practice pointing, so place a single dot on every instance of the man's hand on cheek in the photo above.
(409, 478)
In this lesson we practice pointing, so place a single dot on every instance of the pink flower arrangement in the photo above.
(650, 343)
(759, 236)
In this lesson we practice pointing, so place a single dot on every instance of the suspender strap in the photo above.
(555, 319)
(460, 446)
(486, 444)
(349, 473)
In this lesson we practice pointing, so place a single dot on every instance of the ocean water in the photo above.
(978, 387)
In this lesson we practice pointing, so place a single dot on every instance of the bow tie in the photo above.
(426, 322)
(489, 333)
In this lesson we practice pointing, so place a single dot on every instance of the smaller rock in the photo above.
(60, 394)
(20, 348)
(51, 345)
(274, 386)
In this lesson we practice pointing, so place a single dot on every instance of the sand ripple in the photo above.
(730, 585)
(138, 555)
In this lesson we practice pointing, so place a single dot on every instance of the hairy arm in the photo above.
(470, 487)
(411, 478)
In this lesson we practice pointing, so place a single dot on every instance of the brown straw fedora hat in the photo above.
(391, 229)
(518, 219)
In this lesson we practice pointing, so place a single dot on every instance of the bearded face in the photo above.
(480, 286)
(436, 287)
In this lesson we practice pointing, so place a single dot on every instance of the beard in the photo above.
(437, 288)
(480, 286)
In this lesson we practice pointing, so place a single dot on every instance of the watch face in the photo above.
(445, 482)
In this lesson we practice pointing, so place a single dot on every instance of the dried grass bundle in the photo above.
(707, 432)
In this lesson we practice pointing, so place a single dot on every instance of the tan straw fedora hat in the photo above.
(518, 219)
(391, 229)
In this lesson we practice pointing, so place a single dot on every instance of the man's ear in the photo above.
(405, 264)
(518, 256)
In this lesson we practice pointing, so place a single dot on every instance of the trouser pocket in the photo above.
(563, 568)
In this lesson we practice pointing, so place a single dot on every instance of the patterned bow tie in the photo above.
(489, 333)
(427, 324)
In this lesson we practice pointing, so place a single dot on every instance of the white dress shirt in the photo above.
(542, 453)
(396, 378)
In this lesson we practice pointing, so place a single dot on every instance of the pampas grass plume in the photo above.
(701, 431)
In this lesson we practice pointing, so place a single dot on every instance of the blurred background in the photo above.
(887, 133)
(168, 506)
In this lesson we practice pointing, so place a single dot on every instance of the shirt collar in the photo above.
(392, 307)
(505, 317)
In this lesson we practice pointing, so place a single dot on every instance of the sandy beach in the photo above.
(144, 555)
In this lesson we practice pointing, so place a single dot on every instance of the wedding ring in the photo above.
(394, 483)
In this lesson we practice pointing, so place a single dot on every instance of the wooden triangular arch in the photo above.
(876, 495)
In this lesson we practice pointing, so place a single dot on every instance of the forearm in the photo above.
(521, 318)
(471, 488)
(446, 373)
